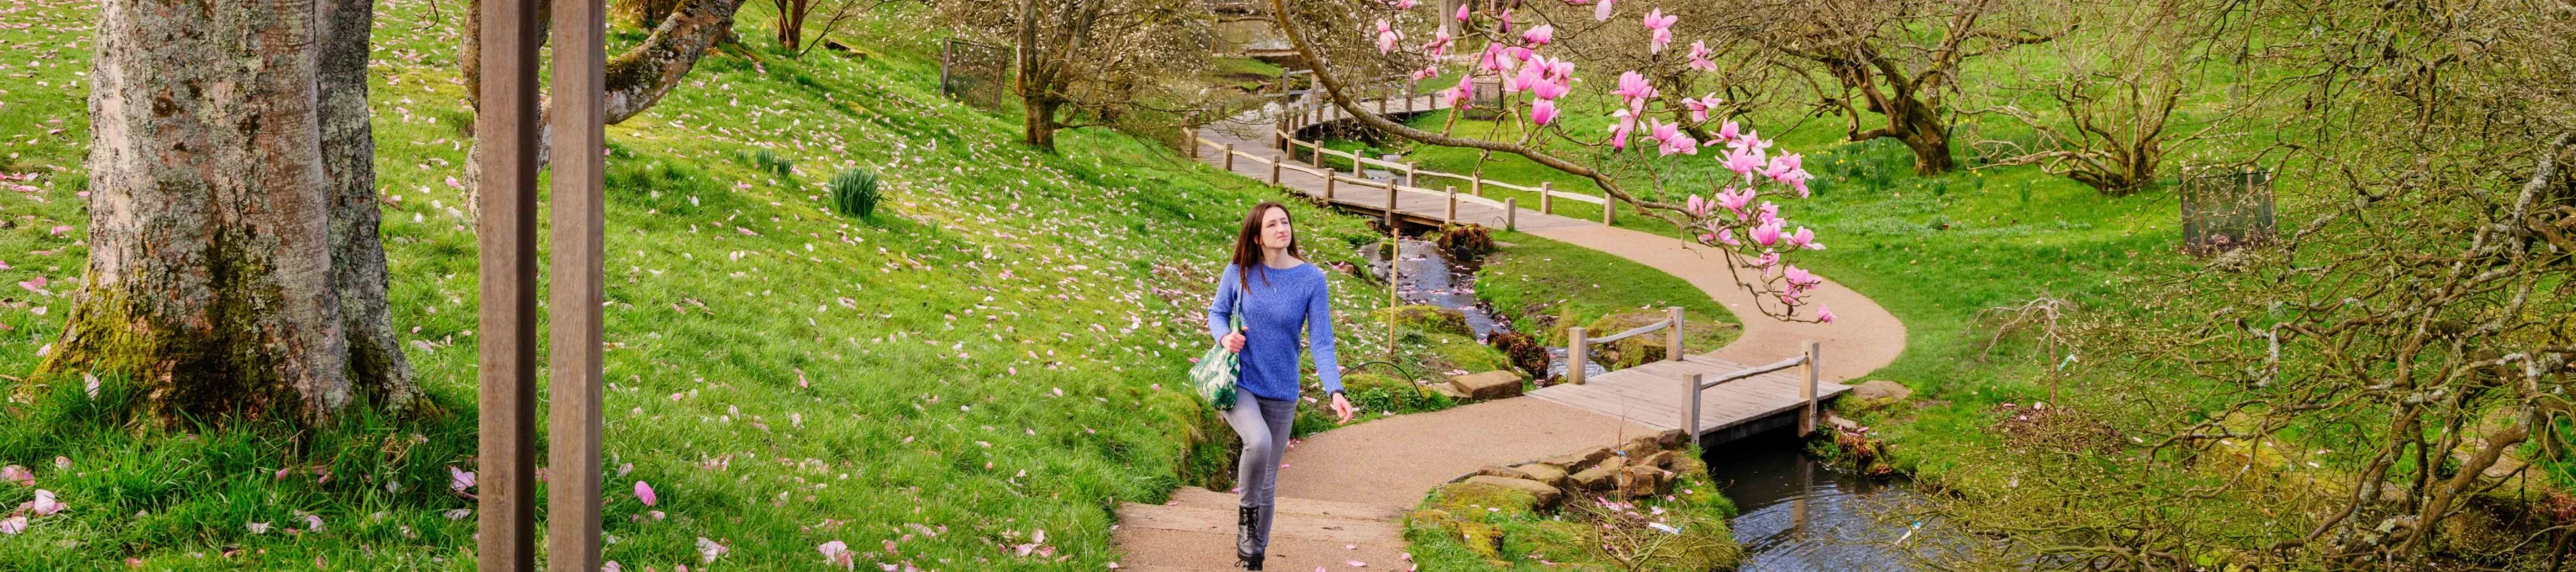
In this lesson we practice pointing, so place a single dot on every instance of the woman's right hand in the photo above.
(1233, 342)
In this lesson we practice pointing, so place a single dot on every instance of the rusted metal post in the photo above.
(506, 225)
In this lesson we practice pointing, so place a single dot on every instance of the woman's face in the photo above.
(1275, 230)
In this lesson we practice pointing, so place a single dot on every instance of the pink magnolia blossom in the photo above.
(45, 503)
(1387, 36)
(1662, 26)
(1627, 123)
(1743, 162)
(1700, 107)
(836, 552)
(1404, 4)
(1462, 11)
(17, 475)
(1699, 57)
(1551, 89)
(459, 479)
(13, 525)
(1601, 13)
(1824, 314)
(1439, 44)
(644, 492)
(1543, 112)
(1804, 239)
(1518, 53)
(1727, 133)
(1670, 135)
(1698, 207)
(1767, 234)
(1540, 35)
(1767, 260)
(1735, 200)
(1492, 60)
(1426, 72)
(1768, 212)
(1464, 93)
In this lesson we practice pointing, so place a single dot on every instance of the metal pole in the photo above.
(506, 225)
(575, 273)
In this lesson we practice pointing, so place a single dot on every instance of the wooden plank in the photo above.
(575, 276)
(506, 225)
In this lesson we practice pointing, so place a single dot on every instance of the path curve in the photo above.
(1342, 492)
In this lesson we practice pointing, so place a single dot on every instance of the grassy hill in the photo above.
(989, 364)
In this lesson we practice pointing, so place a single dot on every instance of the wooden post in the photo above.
(1673, 337)
(1329, 178)
(506, 225)
(1275, 159)
(1609, 210)
(573, 300)
(1319, 156)
(1691, 386)
(1476, 185)
(1356, 167)
(1511, 214)
(1452, 216)
(1575, 354)
(1546, 198)
(1191, 137)
(1391, 221)
(1229, 157)
(1413, 173)
(1807, 392)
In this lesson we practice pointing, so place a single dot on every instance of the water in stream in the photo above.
(1799, 515)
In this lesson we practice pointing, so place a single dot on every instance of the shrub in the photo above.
(1466, 243)
(1525, 353)
(854, 193)
(770, 161)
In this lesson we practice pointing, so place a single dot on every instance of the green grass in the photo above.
(1537, 277)
(997, 352)
(1440, 530)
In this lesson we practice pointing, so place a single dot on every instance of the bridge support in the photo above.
(1807, 392)
(1673, 337)
(1451, 218)
(1577, 352)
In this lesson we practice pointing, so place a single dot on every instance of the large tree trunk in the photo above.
(1040, 125)
(210, 276)
(376, 364)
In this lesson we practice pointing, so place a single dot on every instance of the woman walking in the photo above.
(1277, 294)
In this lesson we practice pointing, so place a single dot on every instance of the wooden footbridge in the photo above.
(1716, 399)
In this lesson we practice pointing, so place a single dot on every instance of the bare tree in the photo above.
(234, 263)
(1091, 62)
(1898, 60)
(2116, 98)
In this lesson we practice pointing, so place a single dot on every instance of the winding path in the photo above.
(1342, 493)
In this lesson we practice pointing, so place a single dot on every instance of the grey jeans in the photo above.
(1263, 424)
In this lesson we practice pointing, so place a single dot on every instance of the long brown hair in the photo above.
(1247, 243)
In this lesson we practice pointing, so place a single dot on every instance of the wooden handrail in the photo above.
(1696, 383)
(1658, 325)
(1282, 131)
(1578, 348)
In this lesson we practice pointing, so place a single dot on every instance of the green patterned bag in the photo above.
(1215, 373)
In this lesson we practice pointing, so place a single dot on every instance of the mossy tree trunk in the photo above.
(232, 204)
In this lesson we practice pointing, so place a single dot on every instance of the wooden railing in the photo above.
(1806, 391)
(1578, 346)
(1302, 112)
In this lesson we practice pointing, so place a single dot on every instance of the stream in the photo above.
(1796, 514)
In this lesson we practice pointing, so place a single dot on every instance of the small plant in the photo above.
(854, 193)
(770, 161)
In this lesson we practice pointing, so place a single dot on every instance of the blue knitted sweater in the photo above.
(1281, 302)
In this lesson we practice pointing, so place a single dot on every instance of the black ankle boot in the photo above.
(1247, 557)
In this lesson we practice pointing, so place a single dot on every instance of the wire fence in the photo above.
(2226, 209)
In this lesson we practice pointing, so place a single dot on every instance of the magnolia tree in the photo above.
(1652, 131)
